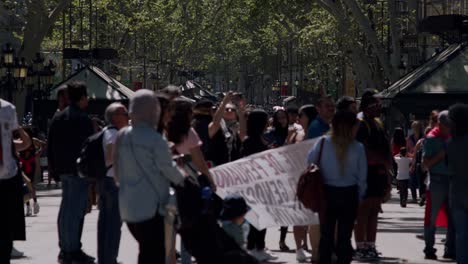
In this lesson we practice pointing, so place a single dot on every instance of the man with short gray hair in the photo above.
(109, 222)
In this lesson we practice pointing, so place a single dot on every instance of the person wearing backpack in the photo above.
(109, 222)
(67, 132)
(343, 167)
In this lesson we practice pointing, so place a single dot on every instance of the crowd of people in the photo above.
(358, 164)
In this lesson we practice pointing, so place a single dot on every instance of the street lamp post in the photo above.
(13, 70)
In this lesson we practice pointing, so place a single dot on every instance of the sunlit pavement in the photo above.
(397, 237)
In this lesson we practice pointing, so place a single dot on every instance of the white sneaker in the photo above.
(267, 255)
(257, 255)
(301, 255)
(36, 208)
(16, 253)
(28, 210)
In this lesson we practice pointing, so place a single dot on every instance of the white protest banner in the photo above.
(268, 181)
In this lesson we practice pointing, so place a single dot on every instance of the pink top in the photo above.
(191, 141)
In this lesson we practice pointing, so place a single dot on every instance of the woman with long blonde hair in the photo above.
(343, 166)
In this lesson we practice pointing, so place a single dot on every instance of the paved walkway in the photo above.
(397, 237)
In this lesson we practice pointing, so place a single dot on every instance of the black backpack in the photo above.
(91, 163)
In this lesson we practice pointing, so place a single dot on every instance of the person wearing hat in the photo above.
(373, 136)
(233, 219)
(435, 159)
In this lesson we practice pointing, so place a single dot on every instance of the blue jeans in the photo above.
(72, 212)
(439, 192)
(109, 222)
(460, 217)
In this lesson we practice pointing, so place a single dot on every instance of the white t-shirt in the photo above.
(8, 124)
(403, 168)
(109, 138)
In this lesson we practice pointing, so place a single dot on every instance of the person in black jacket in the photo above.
(212, 130)
(257, 122)
(68, 130)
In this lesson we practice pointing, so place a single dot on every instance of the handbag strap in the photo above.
(319, 159)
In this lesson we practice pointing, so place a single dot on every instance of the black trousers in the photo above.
(403, 188)
(256, 239)
(150, 237)
(12, 222)
(341, 212)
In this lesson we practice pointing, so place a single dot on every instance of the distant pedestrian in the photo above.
(144, 169)
(28, 159)
(403, 175)
(343, 168)
(67, 132)
(12, 222)
(109, 221)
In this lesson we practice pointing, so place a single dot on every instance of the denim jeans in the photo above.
(72, 212)
(109, 222)
(185, 257)
(439, 191)
(460, 217)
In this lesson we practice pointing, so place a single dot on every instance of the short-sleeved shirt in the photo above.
(8, 124)
(109, 138)
(403, 167)
(317, 128)
(191, 141)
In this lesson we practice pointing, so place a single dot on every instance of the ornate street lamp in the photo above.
(8, 55)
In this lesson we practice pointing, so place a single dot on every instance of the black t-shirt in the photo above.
(374, 138)
(252, 145)
(214, 149)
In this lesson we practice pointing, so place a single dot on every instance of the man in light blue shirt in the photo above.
(321, 125)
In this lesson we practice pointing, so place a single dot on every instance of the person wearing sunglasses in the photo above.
(373, 136)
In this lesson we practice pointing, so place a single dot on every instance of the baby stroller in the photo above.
(201, 234)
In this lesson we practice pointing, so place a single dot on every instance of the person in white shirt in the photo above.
(12, 222)
(109, 222)
(403, 175)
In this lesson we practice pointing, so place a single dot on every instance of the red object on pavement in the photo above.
(441, 220)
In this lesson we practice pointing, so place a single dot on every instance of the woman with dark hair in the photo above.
(278, 134)
(277, 137)
(343, 168)
(166, 113)
(257, 122)
(307, 114)
(398, 141)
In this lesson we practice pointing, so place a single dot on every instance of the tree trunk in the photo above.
(39, 22)
(371, 36)
(395, 32)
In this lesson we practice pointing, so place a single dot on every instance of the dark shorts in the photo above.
(377, 181)
(12, 222)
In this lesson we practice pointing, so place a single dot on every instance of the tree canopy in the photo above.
(235, 37)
